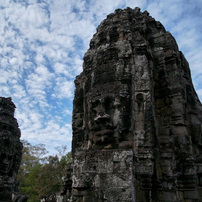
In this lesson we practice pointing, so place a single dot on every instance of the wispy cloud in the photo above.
(42, 46)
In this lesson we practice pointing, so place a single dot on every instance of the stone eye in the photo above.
(95, 104)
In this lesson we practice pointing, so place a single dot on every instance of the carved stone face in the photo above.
(102, 120)
(7, 153)
(6, 162)
(107, 119)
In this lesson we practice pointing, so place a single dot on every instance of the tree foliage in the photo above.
(41, 175)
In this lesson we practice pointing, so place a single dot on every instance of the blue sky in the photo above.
(42, 43)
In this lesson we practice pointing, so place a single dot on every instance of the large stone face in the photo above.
(10, 152)
(136, 118)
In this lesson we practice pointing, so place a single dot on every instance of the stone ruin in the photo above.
(10, 153)
(137, 120)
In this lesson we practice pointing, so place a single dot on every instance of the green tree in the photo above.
(30, 183)
(41, 175)
(32, 160)
(49, 179)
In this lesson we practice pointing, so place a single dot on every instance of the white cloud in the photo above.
(136, 3)
(52, 135)
(38, 82)
(61, 68)
(19, 91)
(78, 63)
(8, 75)
(63, 88)
(68, 112)
(29, 120)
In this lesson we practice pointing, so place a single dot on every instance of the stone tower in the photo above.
(136, 116)
(10, 153)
